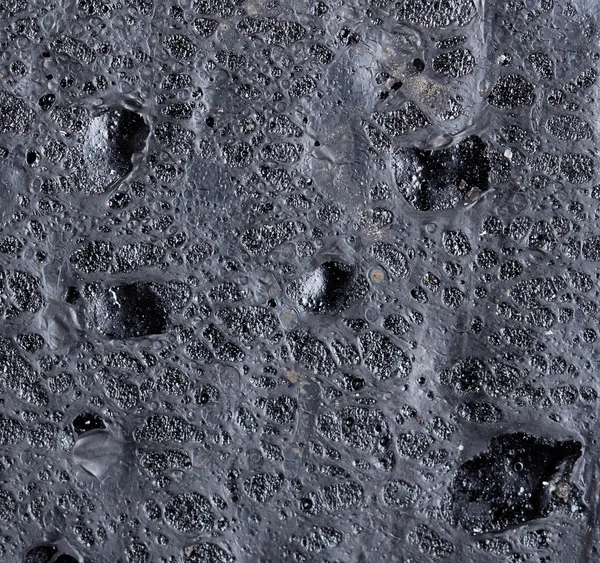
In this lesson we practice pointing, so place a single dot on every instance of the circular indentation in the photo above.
(306, 504)
(32, 158)
(371, 315)
(418, 65)
(288, 319)
(377, 275)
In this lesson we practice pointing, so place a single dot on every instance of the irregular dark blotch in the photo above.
(401, 494)
(11, 245)
(138, 255)
(95, 256)
(205, 27)
(8, 506)
(237, 154)
(231, 59)
(261, 240)
(564, 395)
(275, 31)
(207, 553)
(341, 496)
(322, 538)
(248, 323)
(543, 65)
(173, 382)
(480, 412)
(584, 80)
(222, 8)
(15, 115)
(64, 558)
(128, 311)
(262, 487)
(137, 553)
(454, 64)
(568, 128)
(189, 512)
(11, 431)
(321, 53)
(452, 297)
(510, 269)
(382, 357)
(451, 42)
(310, 353)
(73, 48)
(358, 427)
(440, 179)
(391, 258)
(23, 289)
(466, 376)
(430, 542)
(246, 420)
(30, 342)
(456, 243)
(512, 91)
(377, 138)
(283, 125)
(542, 236)
(302, 87)
(396, 325)
(577, 168)
(179, 46)
(510, 483)
(591, 249)
(71, 118)
(413, 444)
(199, 352)
(176, 81)
(435, 14)
(281, 410)
(165, 428)
(527, 293)
(182, 110)
(176, 138)
(286, 153)
(156, 462)
(402, 121)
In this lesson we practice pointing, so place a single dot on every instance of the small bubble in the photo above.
(562, 489)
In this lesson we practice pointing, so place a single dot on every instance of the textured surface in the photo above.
(298, 281)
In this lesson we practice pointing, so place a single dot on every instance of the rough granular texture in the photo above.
(299, 281)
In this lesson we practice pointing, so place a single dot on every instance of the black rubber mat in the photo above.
(299, 281)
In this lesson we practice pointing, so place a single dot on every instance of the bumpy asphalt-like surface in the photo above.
(299, 281)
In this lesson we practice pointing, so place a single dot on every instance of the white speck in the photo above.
(112, 292)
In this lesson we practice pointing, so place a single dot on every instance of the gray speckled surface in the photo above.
(298, 281)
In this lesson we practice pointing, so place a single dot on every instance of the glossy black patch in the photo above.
(511, 482)
(127, 311)
(433, 180)
(87, 421)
